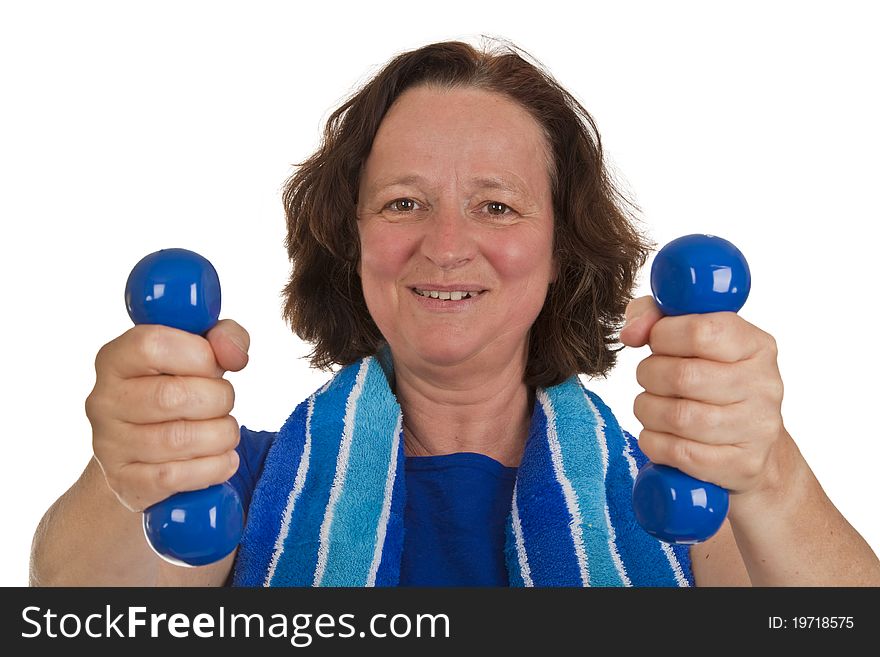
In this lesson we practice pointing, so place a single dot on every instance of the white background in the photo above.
(129, 127)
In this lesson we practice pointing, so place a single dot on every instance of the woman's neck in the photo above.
(488, 413)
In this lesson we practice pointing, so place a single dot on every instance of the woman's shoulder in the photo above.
(255, 445)
(252, 448)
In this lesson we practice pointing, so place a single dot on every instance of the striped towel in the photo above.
(328, 509)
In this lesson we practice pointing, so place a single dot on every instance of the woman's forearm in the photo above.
(791, 534)
(87, 538)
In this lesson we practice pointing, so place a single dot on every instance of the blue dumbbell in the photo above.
(181, 289)
(691, 274)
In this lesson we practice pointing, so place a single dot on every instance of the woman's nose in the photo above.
(448, 240)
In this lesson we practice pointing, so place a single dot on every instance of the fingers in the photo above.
(155, 349)
(181, 439)
(713, 393)
(639, 306)
(144, 464)
(694, 378)
(723, 337)
(144, 484)
(641, 315)
(160, 410)
(733, 467)
(165, 398)
(230, 343)
(692, 420)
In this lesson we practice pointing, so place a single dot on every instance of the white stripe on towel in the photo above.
(630, 459)
(673, 562)
(341, 471)
(521, 554)
(567, 488)
(603, 445)
(667, 550)
(382, 529)
(299, 483)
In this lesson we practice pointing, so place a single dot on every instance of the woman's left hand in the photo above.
(712, 405)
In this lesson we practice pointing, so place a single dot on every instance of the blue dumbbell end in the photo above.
(677, 508)
(174, 287)
(700, 274)
(195, 528)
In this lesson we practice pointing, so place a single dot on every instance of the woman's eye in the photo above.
(498, 209)
(402, 205)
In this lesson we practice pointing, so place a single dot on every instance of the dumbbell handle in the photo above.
(692, 274)
(180, 288)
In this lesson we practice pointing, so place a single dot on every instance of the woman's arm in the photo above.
(718, 562)
(88, 538)
(790, 535)
(712, 408)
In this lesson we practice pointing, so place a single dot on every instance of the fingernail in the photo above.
(632, 320)
(238, 342)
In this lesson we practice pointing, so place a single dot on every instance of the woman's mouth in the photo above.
(447, 300)
(455, 295)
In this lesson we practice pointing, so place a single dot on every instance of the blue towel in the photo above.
(329, 507)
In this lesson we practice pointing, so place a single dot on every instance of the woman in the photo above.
(458, 246)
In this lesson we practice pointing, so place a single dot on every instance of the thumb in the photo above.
(641, 315)
(230, 343)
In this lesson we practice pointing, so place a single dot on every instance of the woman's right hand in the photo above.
(160, 410)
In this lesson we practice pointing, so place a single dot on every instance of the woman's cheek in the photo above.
(383, 258)
(526, 261)
(374, 251)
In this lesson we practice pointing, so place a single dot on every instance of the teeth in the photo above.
(455, 295)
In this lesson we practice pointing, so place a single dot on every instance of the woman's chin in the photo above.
(442, 354)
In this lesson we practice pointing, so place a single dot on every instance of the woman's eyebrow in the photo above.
(484, 182)
(500, 183)
(381, 184)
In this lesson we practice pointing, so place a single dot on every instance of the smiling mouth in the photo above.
(447, 296)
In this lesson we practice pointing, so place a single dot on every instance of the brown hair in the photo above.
(598, 249)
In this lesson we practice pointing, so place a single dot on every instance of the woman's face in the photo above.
(455, 197)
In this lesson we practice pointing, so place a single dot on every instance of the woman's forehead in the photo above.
(484, 136)
(440, 115)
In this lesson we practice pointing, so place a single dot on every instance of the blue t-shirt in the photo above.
(456, 510)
